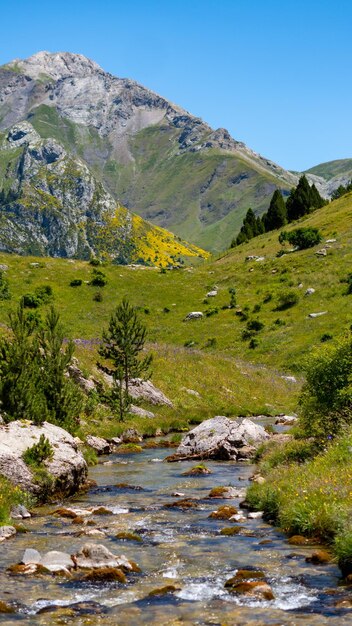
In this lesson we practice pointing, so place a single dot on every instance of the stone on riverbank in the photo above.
(222, 439)
(67, 467)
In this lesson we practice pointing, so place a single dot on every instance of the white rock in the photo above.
(212, 294)
(317, 314)
(321, 252)
(137, 410)
(255, 515)
(7, 531)
(309, 291)
(56, 561)
(222, 438)
(95, 556)
(31, 556)
(67, 466)
(194, 315)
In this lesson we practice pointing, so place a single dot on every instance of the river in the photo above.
(179, 547)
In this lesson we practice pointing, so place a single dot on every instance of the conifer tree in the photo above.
(123, 342)
(63, 398)
(276, 217)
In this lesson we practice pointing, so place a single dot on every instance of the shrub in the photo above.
(77, 282)
(95, 262)
(255, 325)
(253, 344)
(256, 308)
(211, 311)
(326, 337)
(301, 238)
(4, 286)
(98, 297)
(326, 398)
(99, 279)
(44, 293)
(166, 309)
(210, 343)
(39, 452)
(30, 301)
(287, 299)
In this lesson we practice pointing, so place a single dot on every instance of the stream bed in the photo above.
(179, 547)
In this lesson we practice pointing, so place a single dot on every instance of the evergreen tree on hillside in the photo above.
(251, 227)
(303, 199)
(298, 202)
(276, 217)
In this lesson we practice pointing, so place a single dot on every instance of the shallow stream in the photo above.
(179, 547)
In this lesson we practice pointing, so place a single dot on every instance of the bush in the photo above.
(39, 452)
(30, 301)
(301, 238)
(253, 344)
(255, 325)
(77, 282)
(326, 398)
(4, 286)
(98, 297)
(99, 279)
(287, 300)
(42, 295)
(211, 311)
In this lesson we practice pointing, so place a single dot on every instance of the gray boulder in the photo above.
(194, 315)
(20, 512)
(100, 445)
(67, 467)
(137, 410)
(223, 439)
(6, 532)
(95, 556)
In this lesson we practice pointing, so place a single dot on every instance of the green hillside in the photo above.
(330, 169)
(213, 355)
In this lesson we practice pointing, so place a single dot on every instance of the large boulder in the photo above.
(67, 466)
(223, 439)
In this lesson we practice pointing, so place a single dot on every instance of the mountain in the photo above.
(52, 205)
(152, 156)
(335, 173)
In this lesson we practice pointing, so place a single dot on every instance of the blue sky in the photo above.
(276, 74)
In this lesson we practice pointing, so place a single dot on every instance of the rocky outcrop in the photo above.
(223, 439)
(67, 467)
(98, 444)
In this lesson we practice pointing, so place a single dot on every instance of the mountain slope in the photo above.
(153, 156)
(332, 169)
(52, 205)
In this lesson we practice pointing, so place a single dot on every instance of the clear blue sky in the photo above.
(276, 74)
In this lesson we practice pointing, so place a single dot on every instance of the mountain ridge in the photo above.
(153, 156)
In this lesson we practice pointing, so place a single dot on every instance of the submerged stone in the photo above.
(223, 512)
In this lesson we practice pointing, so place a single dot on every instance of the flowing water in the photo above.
(183, 548)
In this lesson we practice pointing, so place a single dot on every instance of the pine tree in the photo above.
(63, 398)
(21, 393)
(122, 344)
(276, 217)
(299, 201)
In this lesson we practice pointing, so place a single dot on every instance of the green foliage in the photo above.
(251, 228)
(39, 452)
(9, 497)
(326, 399)
(122, 344)
(233, 298)
(286, 300)
(99, 279)
(98, 297)
(77, 282)
(42, 295)
(90, 456)
(303, 199)
(255, 325)
(33, 363)
(4, 286)
(276, 217)
(301, 238)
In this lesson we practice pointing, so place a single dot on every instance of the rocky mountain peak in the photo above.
(56, 65)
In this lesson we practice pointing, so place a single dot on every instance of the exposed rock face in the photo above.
(55, 206)
(222, 438)
(67, 467)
